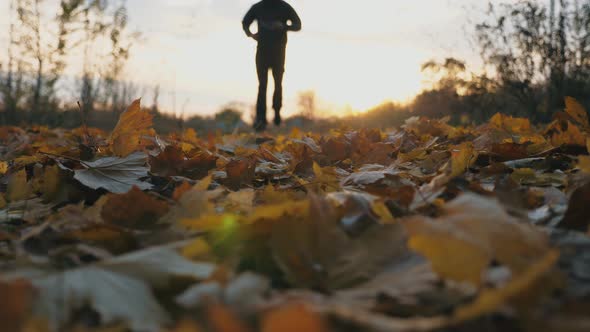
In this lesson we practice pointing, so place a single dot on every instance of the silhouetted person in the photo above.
(275, 18)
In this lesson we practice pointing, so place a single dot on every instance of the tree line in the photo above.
(535, 54)
(43, 36)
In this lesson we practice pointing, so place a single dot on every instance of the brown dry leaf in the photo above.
(222, 319)
(15, 304)
(313, 250)
(473, 232)
(174, 162)
(3, 202)
(383, 182)
(510, 151)
(135, 209)
(192, 205)
(240, 172)
(293, 318)
(336, 149)
(168, 162)
(133, 124)
(18, 187)
(577, 216)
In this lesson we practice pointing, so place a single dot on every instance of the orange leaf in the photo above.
(127, 135)
(15, 304)
(293, 318)
(223, 320)
(180, 190)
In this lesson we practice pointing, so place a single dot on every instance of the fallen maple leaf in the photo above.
(473, 232)
(133, 124)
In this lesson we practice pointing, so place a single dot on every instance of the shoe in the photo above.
(277, 120)
(259, 126)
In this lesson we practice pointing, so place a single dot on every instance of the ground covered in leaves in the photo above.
(425, 228)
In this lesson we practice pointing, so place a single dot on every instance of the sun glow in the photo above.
(352, 61)
(355, 75)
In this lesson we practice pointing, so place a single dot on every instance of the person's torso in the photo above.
(272, 17)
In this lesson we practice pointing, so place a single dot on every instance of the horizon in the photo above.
(197, 53)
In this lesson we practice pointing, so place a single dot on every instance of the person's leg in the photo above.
(262, 71)
(278, 71)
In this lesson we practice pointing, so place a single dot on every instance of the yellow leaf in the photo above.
(460, 260)
(26, 160)
(18, 187)
(463, 156)
(132, 126)
(275, 212)
(382, 212)
(326, 179)
(584, 164)
(51, 182)
(196, 249)
(3, 167)
(510, 124)
(490, 300)
(210, 222)
(472, 232)
(576, 111)
(204, 184)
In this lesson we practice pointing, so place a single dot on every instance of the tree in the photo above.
(306, 101)
(538, 52)
(11, 75)
(228, 119)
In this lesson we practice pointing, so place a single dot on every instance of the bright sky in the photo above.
(353, 53)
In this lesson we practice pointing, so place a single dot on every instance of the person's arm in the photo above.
(247, 22)
(295, 20)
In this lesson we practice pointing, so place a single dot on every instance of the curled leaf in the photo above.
(117, 175)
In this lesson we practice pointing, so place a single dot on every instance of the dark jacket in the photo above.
(275, 18)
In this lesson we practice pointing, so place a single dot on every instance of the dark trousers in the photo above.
(271, 57)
